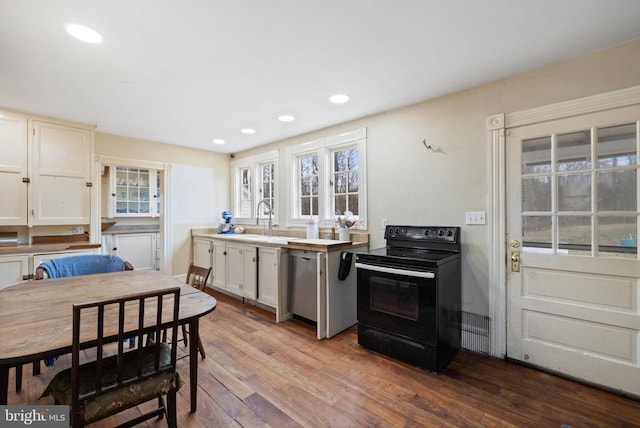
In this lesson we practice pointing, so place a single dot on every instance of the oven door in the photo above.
(398, 300)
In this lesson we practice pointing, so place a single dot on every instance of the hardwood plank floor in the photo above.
(259, 374)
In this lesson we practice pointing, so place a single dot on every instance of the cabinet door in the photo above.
(107, 246)
(219, 265)
(61, 170)
(139, 249)
(13, 269)
(13, 168)
(134, 192)
(234, 269)
(249, 272)
(268, 276)
(203, 253)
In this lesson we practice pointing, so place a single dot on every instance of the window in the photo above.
(254, 179)
(579, 192)
(345, 181)
(337, 161)
(307, 185)
(266, 189)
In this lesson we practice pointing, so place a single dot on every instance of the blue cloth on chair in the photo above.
(82, 265)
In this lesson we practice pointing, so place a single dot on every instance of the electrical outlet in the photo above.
(475, 217)
(385, 222)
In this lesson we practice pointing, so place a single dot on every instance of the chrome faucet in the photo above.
(266, 203)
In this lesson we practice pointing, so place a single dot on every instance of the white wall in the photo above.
(410, 185)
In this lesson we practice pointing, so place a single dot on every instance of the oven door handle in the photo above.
(404, 272)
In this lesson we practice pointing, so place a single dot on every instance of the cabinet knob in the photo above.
(224, 254)
(113, 194)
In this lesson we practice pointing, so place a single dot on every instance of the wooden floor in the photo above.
(258, 373)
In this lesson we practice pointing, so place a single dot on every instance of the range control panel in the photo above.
(423, 233)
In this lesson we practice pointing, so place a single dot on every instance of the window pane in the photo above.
(617, 146)
(536, 155)
(574, 151)
(266, 190)
(354, 160)
(617, 236)
(574, 235)
(305, 206)
(574, 192)
(536, 194)
(536, 231)
(314, 205)
(340, 183)
(340, 203)
(617, 190)
(305, 186)
(314, 185)
(353, 181)
(340, 161)
(354, 204)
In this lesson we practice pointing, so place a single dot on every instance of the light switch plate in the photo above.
(475, 217)
(385, 222)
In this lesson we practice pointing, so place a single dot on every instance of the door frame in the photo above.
(166, 231)
(497, 129)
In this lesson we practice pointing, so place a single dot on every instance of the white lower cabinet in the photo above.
(139, 249)
(242, 270)
(219, 259)
(202, 253)
(268, 275)
(14, 269)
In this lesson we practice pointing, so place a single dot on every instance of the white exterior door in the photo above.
(572, 224)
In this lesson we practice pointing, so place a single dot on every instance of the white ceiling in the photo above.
(188, 71)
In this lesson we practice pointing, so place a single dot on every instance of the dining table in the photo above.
(36, 317)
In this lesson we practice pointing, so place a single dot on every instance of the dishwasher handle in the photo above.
(413, 273)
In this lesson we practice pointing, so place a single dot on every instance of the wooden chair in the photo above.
(197, 277)
(42, 274)
(112, 384)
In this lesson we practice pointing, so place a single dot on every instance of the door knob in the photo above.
(515, 261)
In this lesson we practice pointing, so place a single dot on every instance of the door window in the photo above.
(572, 204)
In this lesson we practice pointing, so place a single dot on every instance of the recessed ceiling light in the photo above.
(339, 98)
(219, 141)
(248, 131)
(286, 118)
(83, 33)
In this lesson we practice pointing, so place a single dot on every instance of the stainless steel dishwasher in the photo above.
(303, 283)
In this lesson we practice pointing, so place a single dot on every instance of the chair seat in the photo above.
(111, 401)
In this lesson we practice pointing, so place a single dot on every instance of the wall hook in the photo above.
(428, 146)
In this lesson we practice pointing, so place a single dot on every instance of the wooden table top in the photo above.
(36, 318)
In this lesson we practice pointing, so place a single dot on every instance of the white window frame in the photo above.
(325, 148)
(253, 164)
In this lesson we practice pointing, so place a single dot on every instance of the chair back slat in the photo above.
(198, 276)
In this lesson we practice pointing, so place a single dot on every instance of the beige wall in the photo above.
(409, 185)
(132, 148)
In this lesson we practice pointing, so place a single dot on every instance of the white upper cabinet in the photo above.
(13, 169)
(61, 174)
(134, 192)
(45, 171)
